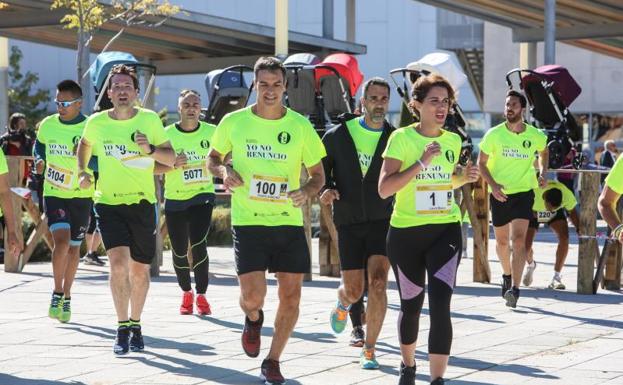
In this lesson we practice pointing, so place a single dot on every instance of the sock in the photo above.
(135, 322)
(557, 275)
(260, 320)
(347, 308)
(532, 264)
(123, 323)
(506, 276)
(67, 299)
(57, 294)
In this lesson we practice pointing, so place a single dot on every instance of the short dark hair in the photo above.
(14, 118)
(423, 85)
(518, 95)
(553, 196)
(269, 63)
(122, 69)
(70, 86)
(375, 81)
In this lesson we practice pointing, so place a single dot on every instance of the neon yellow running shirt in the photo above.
(268, 155)
(614, 180)
(194, 178)
(568, 200)
(61, 163)
(366, 140)
(4, 169)
(126, 175)
(428, 198)
(511, 156)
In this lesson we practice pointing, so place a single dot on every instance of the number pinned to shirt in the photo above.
(433, 199)
(59, 177)
(269, 189)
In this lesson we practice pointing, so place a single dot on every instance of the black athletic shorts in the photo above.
(359, 241)
(559, 215)
(272, 248)
(68, 213)
(517, 206)
(132, 225)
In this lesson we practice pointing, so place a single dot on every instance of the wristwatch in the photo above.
(152, 149)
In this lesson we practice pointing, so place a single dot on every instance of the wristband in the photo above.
(421, 164)
(152, 149)
(617, 231)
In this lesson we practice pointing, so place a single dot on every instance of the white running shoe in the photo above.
(556, 283)
(529, 274)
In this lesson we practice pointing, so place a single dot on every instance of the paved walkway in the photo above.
(551, 338)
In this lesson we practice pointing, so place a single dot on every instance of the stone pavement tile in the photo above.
(615, 381)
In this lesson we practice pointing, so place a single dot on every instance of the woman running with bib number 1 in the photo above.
(424, 237)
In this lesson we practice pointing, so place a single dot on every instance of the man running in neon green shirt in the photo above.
(67, 206)
(506, 162)
(268, 143)
(610, 195)
(552, 205)
(127, 141)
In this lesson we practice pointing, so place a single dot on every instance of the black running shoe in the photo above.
(438, 381)
(506, 284)
(511, 297)
(122, 342)
(136, 341)
(407, 375)
(93, 259)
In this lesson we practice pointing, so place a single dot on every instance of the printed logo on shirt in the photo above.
(527, 144)
(205, 144)
(283, 137)
(450, 156)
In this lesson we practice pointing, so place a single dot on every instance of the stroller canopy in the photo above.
(104, 62)
(302, 59)
(221, 79)
(564, 85)
(444, 64)
(348, 68)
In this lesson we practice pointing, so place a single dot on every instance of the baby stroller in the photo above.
(322, 91)
(100, 69)
(550, 90)
(444, 64)
(227, 92)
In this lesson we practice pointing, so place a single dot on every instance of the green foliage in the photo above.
(22, 97)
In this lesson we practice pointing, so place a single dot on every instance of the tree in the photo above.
(87, 16)
(21, 96)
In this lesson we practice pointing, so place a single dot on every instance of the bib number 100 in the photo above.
(266, 188)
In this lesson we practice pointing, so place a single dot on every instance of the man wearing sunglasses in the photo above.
(67, 206)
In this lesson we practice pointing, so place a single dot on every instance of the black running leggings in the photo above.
(191, 225)
(414, 252)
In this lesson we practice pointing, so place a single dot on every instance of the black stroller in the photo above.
(441, 63)
(550, 90)
(227, 92)
(100, 70)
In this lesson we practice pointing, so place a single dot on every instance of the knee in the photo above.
(502, 242)
(251, 300)
(290, 298)
(353, 292)
(377, 285)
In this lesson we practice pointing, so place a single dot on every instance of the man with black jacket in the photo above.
(352, 167)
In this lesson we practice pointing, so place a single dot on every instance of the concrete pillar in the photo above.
(4, 83)
(550, 32)
(327, 19)
(351, 21)
(527, 55)
(281, 27)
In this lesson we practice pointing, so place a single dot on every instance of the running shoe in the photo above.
(438, 381)
(65, 314)
(271, 374)
(93, 259)
(136, 341)
(556, 283)
(251, 335)
(122, 342)
(367, 359)
(357, 337)
(506, 284)
(338, 318)
(407, 375)
(203, 307)
(187, 303)
(55, 305)
(529, 275)
(511, 297)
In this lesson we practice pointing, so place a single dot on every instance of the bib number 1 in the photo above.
(433, 199)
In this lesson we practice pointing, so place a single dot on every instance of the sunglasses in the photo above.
(66, 104)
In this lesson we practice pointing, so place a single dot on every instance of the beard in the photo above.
(515, 118)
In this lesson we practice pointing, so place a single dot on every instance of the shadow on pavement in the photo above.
(13, 380)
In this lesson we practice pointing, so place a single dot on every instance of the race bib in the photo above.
(545, 216)
(269, 189)
(59, 177)
(195, 174)
(433, 199)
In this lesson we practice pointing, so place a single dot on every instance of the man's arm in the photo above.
(85, 150)
(543, 166)
(311, 188)
(219, 169)
(14, 245)
(496, 189)
(328, 192)
(574, 218)
(607, 208)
